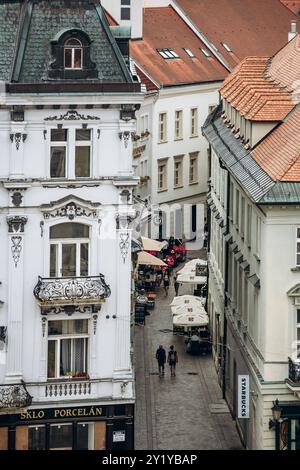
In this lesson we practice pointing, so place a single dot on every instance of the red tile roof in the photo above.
(293, 5)
(251, 93)
(150, 85)
(248, 27)
(163, 28)
(110, 19)
(279, 153)
(284, 69)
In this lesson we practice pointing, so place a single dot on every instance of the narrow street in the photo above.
(182, 413)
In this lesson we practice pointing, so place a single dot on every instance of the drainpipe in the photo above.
(226, 288)
(208, 221)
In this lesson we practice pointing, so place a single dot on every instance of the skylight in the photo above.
(205, 52)
(189, 52)
(226, 47)
(168, 53)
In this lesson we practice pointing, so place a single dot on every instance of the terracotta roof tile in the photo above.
(253, 94)
(293, 5)
(279, 153)
(163, 28)
(248, 27)
(284, 68)
(150, 86)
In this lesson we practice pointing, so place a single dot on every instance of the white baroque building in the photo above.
(254, 294)
(67, 119)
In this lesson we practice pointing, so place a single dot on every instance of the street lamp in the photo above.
(276, 412)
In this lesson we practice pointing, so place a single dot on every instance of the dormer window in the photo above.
(73, 54)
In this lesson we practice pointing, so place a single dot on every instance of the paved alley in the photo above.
(182, 413)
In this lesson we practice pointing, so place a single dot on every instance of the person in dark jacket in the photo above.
(161, 360)
(172, 360)
(176, 285)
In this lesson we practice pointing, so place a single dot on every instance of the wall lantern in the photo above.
(276, 412)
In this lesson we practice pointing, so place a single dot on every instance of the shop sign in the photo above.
(243, 396)
(28, 416)
(137, 152)
(119, 436)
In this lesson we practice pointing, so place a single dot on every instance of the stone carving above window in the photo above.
(72, 115)
(70, 207)
(16, 223)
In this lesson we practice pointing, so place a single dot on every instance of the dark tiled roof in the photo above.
(283, 193)
(46, 21)
(9, 23)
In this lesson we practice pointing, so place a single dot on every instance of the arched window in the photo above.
(73, 54)
(69, 250)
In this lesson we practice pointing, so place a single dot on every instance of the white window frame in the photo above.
(57, 339)
(162, 175)
(84, 143)
(70, 144)
(297, 341)
(194, 122)
(70, 241)
(178, 124)
(193, 159)
(162, 127)
(297, 241)
(178, 172)
(72, 48)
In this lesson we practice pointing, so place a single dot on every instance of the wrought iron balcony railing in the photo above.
(294, 371)
(71, 291)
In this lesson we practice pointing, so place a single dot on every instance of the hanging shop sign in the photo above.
(243, 396)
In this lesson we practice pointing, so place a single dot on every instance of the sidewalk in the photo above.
(182, 413)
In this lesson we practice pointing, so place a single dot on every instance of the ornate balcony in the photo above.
(68, 389)
(14, 396)
(294, 371)
(71, 294)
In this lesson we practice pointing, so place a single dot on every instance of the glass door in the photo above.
(61, 437)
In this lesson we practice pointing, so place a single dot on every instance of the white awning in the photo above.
(186, 299)
(149, 260)
(191, 278)
(191, 309)
(153, 245)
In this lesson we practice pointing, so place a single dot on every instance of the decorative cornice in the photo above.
(124, 245)
(70, 207)
(125, 136)
(72, 115)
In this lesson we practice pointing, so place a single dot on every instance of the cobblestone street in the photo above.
(182, 413)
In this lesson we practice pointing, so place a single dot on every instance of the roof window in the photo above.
(168, 54)
(189, 52)
(205, 52)
(226, 47)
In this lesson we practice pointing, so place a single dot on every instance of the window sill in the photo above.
(193, 182)
(162, 190)
(176, 139)
(162, 142)
(295, 269)
(194, 136)
(178, 187)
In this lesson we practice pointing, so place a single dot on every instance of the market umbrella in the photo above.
(153, 245)
(149, 260)
(191, 278)
(189, 320)
(191, 309)
(186, 300)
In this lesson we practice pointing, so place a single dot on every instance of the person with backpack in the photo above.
(172, 360)
(161, 360)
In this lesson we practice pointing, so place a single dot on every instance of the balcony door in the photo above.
(69, 250)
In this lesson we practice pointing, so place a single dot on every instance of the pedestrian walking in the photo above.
(176, 286)
(166, 284)
(161, 360)
(172, 360)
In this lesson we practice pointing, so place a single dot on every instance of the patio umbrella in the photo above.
(149, 260)
(191, 309)
(191, 278)
(189, 320)
(153, 245)
(186, 300)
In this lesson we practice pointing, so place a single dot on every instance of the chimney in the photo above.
(293, 31)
